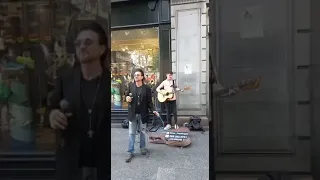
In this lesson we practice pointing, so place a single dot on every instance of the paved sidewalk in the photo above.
(164, 163)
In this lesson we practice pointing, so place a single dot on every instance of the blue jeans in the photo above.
(136, 126)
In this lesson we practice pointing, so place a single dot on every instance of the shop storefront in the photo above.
(140, 38)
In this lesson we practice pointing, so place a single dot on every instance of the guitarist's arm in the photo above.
(178, 89)
(160, 87)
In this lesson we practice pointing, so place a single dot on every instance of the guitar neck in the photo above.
(248, 84)
(175, 91)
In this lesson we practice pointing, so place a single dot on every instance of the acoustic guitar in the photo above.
(164, 95)
(245, 85)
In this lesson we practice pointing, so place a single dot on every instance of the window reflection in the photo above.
(23, 80)
(134, 48)
(32, 47)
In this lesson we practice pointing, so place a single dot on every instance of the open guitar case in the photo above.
(159, 137)
(156, 134)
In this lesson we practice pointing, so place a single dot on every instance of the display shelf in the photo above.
(11, 23)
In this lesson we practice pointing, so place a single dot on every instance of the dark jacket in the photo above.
(145, 104)
(67, 155)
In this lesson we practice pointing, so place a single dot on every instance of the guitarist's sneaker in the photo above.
(129, 158)
(168, 126)
(176, 126)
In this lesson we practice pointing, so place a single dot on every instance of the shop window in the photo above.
(134, 48)
(24, 48)
(34, 43)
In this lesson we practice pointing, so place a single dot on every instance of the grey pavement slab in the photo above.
(164, 162)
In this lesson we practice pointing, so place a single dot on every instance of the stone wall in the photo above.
(189, 44)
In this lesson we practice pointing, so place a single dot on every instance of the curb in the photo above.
(118, 125)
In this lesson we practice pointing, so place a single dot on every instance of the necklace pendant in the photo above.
(90, 133)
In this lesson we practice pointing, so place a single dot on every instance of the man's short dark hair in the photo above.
(170, 72)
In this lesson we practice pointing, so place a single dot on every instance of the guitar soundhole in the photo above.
(167, 93)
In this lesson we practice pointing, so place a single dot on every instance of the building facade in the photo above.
(182, 41)
(190, 52)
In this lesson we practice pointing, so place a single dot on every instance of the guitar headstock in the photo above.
(250, 84)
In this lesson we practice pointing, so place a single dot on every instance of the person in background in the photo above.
(170, 104)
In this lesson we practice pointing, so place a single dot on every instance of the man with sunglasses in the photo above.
(80, 110)
(139, 97)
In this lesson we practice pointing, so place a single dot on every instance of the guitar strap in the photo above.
(174, 87)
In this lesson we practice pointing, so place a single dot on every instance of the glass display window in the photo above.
(130, 49)
(34, 37)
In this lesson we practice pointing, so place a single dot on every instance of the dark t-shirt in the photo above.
(88, 145)
(137, 96)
